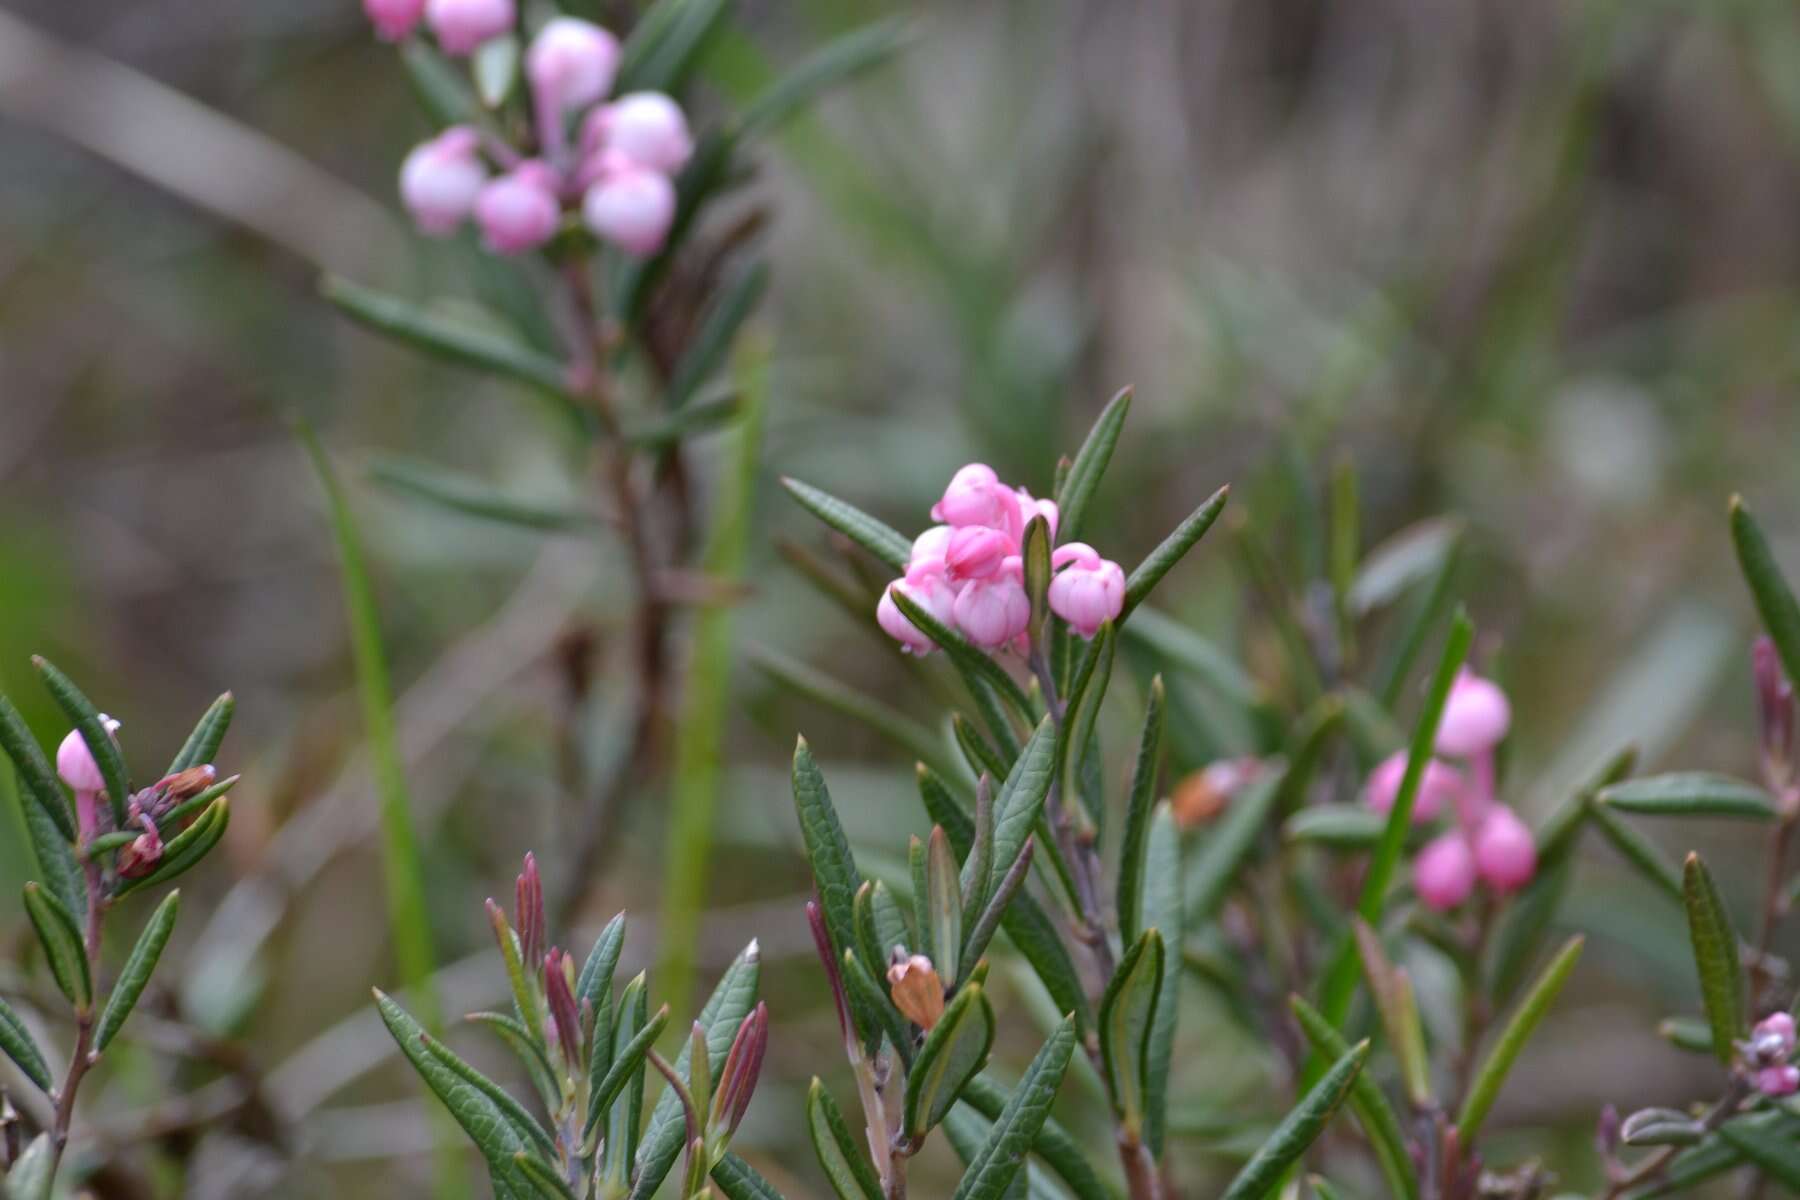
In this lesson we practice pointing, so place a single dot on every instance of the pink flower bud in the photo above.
(933, 543)
(926, 586)
(1505, 851)
(632, 208)
(1089, 590)
(1772, 1041)
(559, 997)
(462, 25)
(992, 612)
(1444, 872)
(528, 893)
(571, 64)
(75, 762)
(441, 178)
(1437, 788)
(394, 19)
(1029, 508)
(976, 496)
(1775, 708)
(1778, 1081)
(976, 552)
(648, 128)
(743, 1064)
(1476, 717)
(519, 211)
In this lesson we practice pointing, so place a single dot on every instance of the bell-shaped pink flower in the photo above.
(925, 585)
(394, 20)
(441, 178)
(1444, 872)
(462, 26)
(1505, 850)
(571, 63)
(1778, 1081)
(1772, 1041)
(1029, 508)
(648, 128)
(992, 612)
(933, 543)
(631, 207)
(1438, 787)
(519, 211)
(1476, 717)
(75, 762)
(976, 552)
(975, 496)
(1088, 591)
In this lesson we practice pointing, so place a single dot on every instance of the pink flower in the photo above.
(75, 762)
(1088, 591)
(394, 19)
(571, 63)
(1772, 1041)
(992, 612)
(1778, 1081)
(1476, 717)
(1505, 851)
(440, 179)
(1444, 872)
(1438, 787)
(933, 543)
(462, 25)
(925, 585)
(633, 208)
(648, 128)
(1029, 508)
(519, 211)
(976, 552)
(975, 496)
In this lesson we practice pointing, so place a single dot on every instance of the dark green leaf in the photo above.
(17, 1041)
(711, 343)
(1715, 957)
(1531, 1012)
(626, 1064)
(839, 60)
(738, 1180)
(187, 848)
(1696, 794)
(1380, 1123)
(981, 931)
(202, 745)
(944, 903)
(1639, 851)
(1127, 1010)
(542, 1178)
(441, 90)
(666, 43)
(1298, 1129)
(1021, 799)
(137, 969)
(54, 854)
(1413, 555)
(827, 849)
(32, 1175)
(967, 658)
(1090, 462)
(1687, 1033)
(1137, 814)
(1162, 912)
(81, 712)
(619, 1148)
(1661, 1127)
(905, 733)
(470, 496)
(1774, 599)
(955, 1051)
(1778, 1156)
(878, 539)
(36, 777)
(1003, 1155)
(60, 936)
(874, 1008)
(1056, 1146)
(596, 978)
(1336, 827)
(844, 1161)
(1084, 700)
(977, 877)
(1147, 574)
(510, 1110)
(528, 1050)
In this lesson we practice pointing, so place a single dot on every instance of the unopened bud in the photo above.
(1775, 708)
(463, 25)
(647, 128)
(737, 1078)
(519, 211)
(559, 990)
(140, 857)
(75, 762)
(1778, 1081)
(1772, 1041)
(1204, 794)
(441, 178)
(185, 785)
(632, 207)
(528, 892)
(918, 992)
(394, 19)
(1444, 872)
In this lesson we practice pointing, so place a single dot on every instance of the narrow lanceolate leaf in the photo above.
(1774, 598)
(627, 1063)
(666, 43)
(542, 1178)
(1715, 956)
(1661, 1127)
(202, 745)
(1336, 827)
(60, 935)
(514, 1113)
(1639, 851)
(1021, 799)
(724, 1011)
(981, 931)
(1055, 1146)
(943, 887)
(1162, 912)
(31, 1175)
(596, 978)
(718, 329)
(446, 338)
(1391, 990)
(844, 1161)
(55, 854)
(1083, 480)
(836, 62)
(905, 733)
(187, 849)
(1137, 814)
(1299, 1128)
(17, 1041)
(471, 496)
(1002, 1157)
(1127, 1011)
(1518, 1031)
(620, 1145)
(1035, 555)
(1686, 1033)
(827, 849)
(1085, 698)
(874, 1008)
(36, 778)
(977, 876)
(872, 535)
(1380, 1123)
(136, 972)
(954, 1052)
(1691, 794)
(1778, 1156)
(440, 89)
(1211, 872)
(1160, 561)
(86, 718)
(738, 1180)
(973, 663)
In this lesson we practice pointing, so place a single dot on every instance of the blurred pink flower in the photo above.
(1437, 788)
(394, 20)
(633, 208)
(648, 128)
(1444, 872)
(462, 26)
(1505, 850)
(441, 178)
(519, 211)
(1476, 717)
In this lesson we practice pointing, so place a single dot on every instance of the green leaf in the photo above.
(625, 1065)
(1638, 850)
(837, 61)
(981, 932)
(1380, 1123)
(81, 712)
(977, 877)
(976, 749)
(1413, 626)
(1774, 599)
(1034, 554)
(827, 849)
(906, 734)
(495, 65)
(470, 496)
(1715, 957)
(1531, 1012)
(875, 1008)
(666, 43)
(1779, 1157)
(623, 1124)
(954, 1052)
(514, 1113)
(187, 849)
(1127, 1010)
(740, 1181)
(54, 854)
(1021, 799)
(1160, 561)
(1162, 913)
(1016, 1128)
(1336, 827)
(1391, 990)
(1298, 1129)
(1083, 480)
(136, 972)
(17, 1041)
(1211, 872)
(1661, 1127)
(36, 777)
(711, 408)
(542, 1178)
(1055, 1146)
(711, 343)
(845, 1164)
(528, 1050)
(943, 886)
(966, 657)
(878, 539)
(725, 1010)
(1691, 794)
(595, 983)
(1084, 700)
(1415, 554)
(1138, 808)
(1686, 1033)
(441, 90)
(33, 1173)
(202, 745)
(60, 936)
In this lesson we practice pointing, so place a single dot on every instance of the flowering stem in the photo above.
(1773, 908)
(83, 1056)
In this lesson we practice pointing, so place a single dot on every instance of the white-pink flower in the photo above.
(440, 179)
(924, 584)
(75, 762)
(1505, 850)
(394, 19)
(975, 496)
(462, 26)
(648, 128)
(633, 208)
(992, 612)
(519, 211)
(1444, 872)
(976, 552)
(1476, 717)
(1438, 786)
(1087, 591)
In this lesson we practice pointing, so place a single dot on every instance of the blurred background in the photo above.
(1534, 265)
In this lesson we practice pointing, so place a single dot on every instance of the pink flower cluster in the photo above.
(1767, 1052)
(617, 169)
(1488, 842)
(967, 571)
